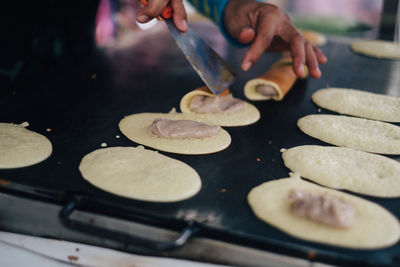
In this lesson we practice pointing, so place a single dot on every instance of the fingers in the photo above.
(321, 58)
(312, 62)
(155, 7)
(151, 10)
(304, 53)
(263, 39)
(298, 55)
(246, 35)
(179, 15)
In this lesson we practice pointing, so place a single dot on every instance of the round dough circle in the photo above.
(359, 103)
(377, 48)
(135, 128)
(141, 174)
(345, 168)
(21, 147)
(356, 133)
(373, 227)
(249, 114)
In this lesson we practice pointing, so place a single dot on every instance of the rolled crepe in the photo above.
(315, 38)
(279, 80)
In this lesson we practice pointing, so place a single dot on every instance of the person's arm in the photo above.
(214, 10)
(262, 26)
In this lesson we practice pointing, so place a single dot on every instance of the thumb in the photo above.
(246, 35)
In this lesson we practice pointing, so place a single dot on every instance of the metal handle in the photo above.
(153, 245)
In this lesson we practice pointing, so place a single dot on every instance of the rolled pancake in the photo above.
(280, 78)
(377, 48)
(359, 103)
(20, 147)
(135, 128)
(247, 115)
(315, 38)
(373, 226)
(361, 134)
(141, 174)
(345, 168)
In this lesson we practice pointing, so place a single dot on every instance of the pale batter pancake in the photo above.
(246, 115)
(359, 103)
(372, 226)
(361, 134)
(377, 48)
(345, 168)
(135, 127)
(141, 174)
(20, 147)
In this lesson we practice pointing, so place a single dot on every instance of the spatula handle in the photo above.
(165, 14)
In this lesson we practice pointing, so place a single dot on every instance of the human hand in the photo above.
(155, 7)
(266, 27)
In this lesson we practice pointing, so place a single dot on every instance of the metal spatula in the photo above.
(212, 69)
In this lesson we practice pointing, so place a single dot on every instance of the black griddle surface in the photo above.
(83, 111)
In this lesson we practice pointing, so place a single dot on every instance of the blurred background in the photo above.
(40, 37)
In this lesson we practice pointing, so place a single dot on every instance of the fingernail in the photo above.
(302, 71)
(143, 18)
(319, 72)
(246, 66)
(184, 24)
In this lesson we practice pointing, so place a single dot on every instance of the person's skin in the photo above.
(266, 27)
(155, 7)
(262, 26)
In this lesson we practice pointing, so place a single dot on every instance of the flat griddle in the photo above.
(83, 104)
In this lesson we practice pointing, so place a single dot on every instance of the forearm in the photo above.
(213, 9)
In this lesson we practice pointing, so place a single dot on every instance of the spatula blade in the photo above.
(212, 69)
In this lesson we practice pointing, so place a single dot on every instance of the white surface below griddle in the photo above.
(23, 250)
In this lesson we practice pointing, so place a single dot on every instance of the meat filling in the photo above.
(181, 129)
(325, 209)
(216, 104)
(266, 90)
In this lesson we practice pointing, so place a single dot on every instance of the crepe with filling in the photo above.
(361, 134)
(245, 115)
(141, 174)
(135, 127)
(315, 38)
(373, 227)
(345, 168)
(359, 103)
(20, 147)
(377, 48)
(277, 81)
